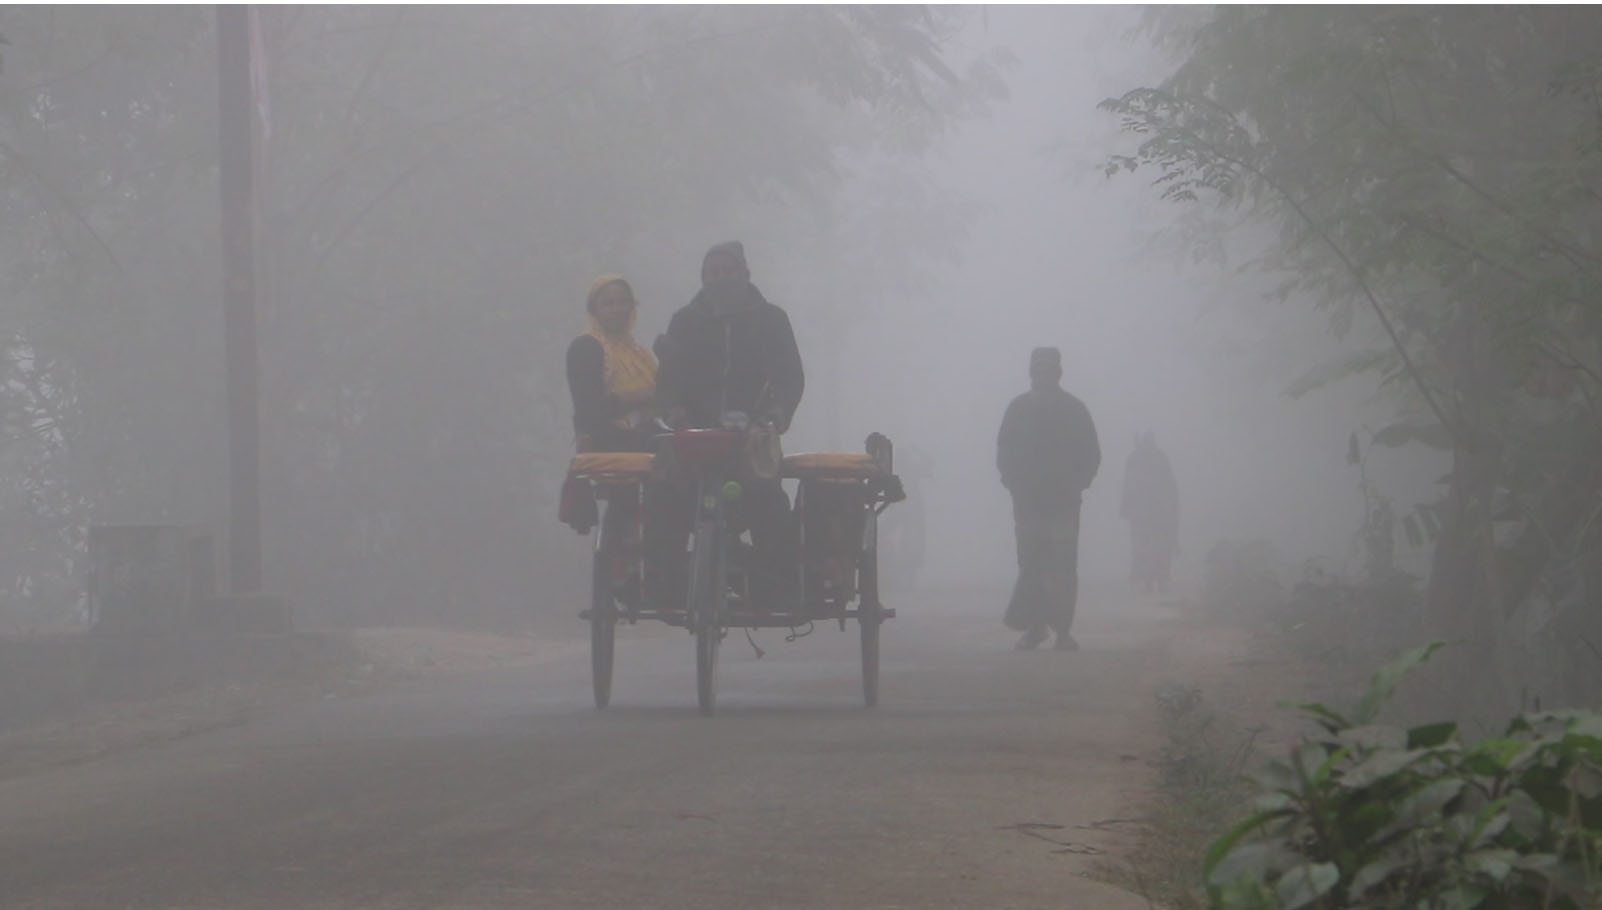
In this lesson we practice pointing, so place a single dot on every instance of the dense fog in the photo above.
(925, 192)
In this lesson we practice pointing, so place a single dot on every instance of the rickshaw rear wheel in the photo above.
(870, 660)
(603, 623)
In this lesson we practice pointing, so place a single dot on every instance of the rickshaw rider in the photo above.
(730, 349)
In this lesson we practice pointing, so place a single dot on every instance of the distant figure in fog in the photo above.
(611, 376)
(1151, 506)
(1048, 454)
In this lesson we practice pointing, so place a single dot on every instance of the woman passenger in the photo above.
(612, 377)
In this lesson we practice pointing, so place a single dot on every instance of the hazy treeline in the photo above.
(437, 188)
(1431, 179)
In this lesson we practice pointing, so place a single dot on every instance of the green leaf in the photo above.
(1423, 806)
(1526, 815)
(1322, 773)
(1381, 766)
(1591, 746)
(1277, 775)
(1383, 686)
(1494, 864)
(1375, 873)
(1325, 717)
(1244, 893)
(1226, 842)
(1431, 735)
(1255, 860)
(1314, 761)
(1586, 781)
(1586, 723)
(1491, 828)
(1306, 883)
(1372, 737)
(1584, 733)
(1546, 786)
(1574, 880)
(1524, 723)
(1494, 756)
(1462, 897)
(1369, 819)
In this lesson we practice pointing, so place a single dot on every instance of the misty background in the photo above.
(922, 190)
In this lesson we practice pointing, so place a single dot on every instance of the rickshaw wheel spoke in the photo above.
(869, 614)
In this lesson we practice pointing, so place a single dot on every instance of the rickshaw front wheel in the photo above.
(870, 617)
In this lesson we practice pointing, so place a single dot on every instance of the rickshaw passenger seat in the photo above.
(621, 467)
(829, 465)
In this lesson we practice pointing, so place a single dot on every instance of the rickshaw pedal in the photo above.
(584, 614)
(887, 613)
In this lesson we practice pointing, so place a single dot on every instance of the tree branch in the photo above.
(1558, 245)
(1417, 377)
(66, 201)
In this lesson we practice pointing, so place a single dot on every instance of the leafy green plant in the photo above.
(1367, 815)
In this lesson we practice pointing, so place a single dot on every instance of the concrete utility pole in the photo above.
(236, 145)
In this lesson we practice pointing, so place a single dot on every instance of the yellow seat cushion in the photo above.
(830, 464)
(616, 465)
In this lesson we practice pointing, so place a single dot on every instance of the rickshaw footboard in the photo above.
(743, 620)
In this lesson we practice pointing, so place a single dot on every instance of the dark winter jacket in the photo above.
(737, 354)
(1047, 449)
(595, 410)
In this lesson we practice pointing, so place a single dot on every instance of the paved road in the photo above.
(506, 789)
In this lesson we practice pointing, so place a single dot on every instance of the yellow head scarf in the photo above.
(630, 366)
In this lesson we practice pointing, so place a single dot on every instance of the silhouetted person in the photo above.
(1048, 454)
(612, 379)
(611, 376)
(1150, 504)
(730, 349)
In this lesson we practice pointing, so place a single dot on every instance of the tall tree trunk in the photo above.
(1461, 603)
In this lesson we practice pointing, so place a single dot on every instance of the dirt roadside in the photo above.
(382, 658)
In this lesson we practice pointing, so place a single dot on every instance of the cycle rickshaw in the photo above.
(838, 498)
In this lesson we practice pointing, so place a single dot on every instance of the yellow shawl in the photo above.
(630, 366)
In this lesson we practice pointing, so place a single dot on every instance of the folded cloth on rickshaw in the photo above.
(625, 466)
(843, 465)
(577, 508)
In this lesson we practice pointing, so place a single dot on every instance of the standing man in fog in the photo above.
(1048, 454)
